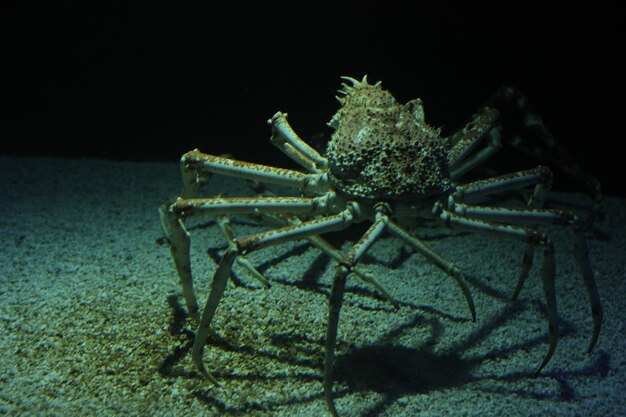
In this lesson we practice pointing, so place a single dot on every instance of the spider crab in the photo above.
(382, 164)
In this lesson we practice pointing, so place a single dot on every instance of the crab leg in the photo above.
(465, 140)
(323, 245)
(326, 247)
(540, 177)
(195, 163)
(558, 217)
(516, 180)
(218, 285)
(246, 205)
(180, 243)
(439, 261)
(246, 245)
(533, 237)
(543, 178)
(516, 215)
(179, 236)
(536, 200)
(336, 297)
(582, 255)
(196, 167)
(318, 242)
(546, 148)
(493, 146)
(223, 221)
(285, 139)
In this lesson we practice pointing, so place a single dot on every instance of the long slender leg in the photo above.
(246, 245)
(439, 261)
(516, 180)
(525, 216)
(218, 285)
(246, 205)
(183, 208)
(542, 178)
(451, 219)
(327, 248)
(196, 167)
(460, 157)
(223, 222)
(179, 240)
(536, 200)
(285, 139)
(318, 242)
(478, 158)
(196, 164)
(336, 297)
(540, 144)
(323, 245)
(582, 251)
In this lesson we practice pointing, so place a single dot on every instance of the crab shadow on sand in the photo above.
(387, 367)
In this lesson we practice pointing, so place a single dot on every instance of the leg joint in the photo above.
(345, 265)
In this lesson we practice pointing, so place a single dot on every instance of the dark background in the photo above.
(129, 82)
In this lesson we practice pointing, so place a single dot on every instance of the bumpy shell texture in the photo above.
(383, 149)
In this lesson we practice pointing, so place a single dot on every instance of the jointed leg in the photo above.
(246, 245)
(285, 139)
(475, 190)
(218, 285)
(223, 222)
(196, 167)
(320, 243)
(460, 158)
(438, 260)
(327, 248)
(539, 143)
(582, 255)
(480, 218)
(179, 236)
(539, 177)
(179, 240)
(283, 220)
(195, 164)
(454, 220)
(536, 200)
(336, 297)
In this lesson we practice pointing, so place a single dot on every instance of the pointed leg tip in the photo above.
(212, 379)
(206, 375)
(546, 359)
(597, 326)
(472, 308)
(472, 311)
(540, 368)
(592, 344)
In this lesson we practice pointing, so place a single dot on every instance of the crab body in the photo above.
(381, 149)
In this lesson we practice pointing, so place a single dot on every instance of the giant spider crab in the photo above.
(382, 164)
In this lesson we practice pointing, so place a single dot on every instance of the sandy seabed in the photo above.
(93, 321)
